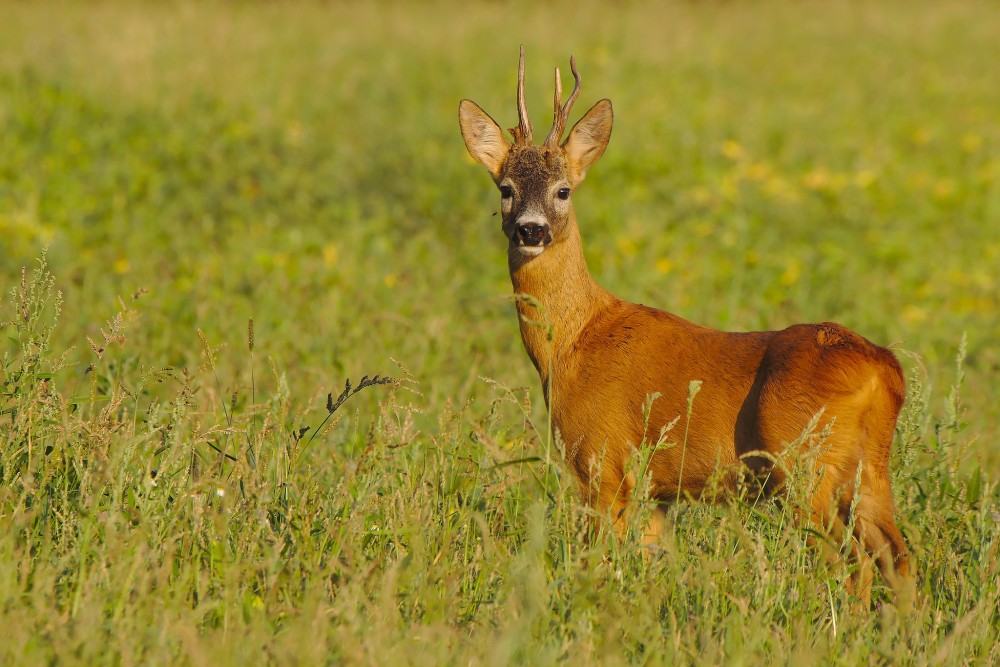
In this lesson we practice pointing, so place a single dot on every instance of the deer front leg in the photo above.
(611, 496)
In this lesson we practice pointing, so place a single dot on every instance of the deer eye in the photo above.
(506, 191)
(563, 193)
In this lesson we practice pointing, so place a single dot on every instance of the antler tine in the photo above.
(557, 98)
(561, 114)
(558, 122)
(576, 89)
(522, 134)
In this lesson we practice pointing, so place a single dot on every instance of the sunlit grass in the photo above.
(193, 166)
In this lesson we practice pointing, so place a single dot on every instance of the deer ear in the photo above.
(483, 137)
(588, 139)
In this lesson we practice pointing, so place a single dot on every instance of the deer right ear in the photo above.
(588, 139)
(483, 137)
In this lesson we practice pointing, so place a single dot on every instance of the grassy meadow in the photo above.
(214, 216)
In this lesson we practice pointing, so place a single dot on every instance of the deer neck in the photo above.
(557, 297)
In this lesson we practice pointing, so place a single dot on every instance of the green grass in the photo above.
(190, 167)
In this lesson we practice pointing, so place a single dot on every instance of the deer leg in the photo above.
(862, 576)
(876, 529)
(822, 515)
(875, 523)
(654, 529)
(614, 500)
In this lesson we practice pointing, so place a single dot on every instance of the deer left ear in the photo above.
(588, 139)
(483, 137)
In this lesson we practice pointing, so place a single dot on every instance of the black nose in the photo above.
(533, 234)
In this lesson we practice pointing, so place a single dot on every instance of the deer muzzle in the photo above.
(532, 234)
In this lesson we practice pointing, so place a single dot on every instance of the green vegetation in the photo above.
(191, 167)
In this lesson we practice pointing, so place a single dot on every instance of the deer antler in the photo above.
(561, 113)
(522, 133)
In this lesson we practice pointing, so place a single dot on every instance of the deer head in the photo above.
(536, 182)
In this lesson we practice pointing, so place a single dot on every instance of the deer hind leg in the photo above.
(875, 524)
(823, 468)
(875, 527)
(821, 513)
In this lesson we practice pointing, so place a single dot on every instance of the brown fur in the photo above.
(601, 357)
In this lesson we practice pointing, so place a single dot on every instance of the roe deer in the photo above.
(601, 357)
